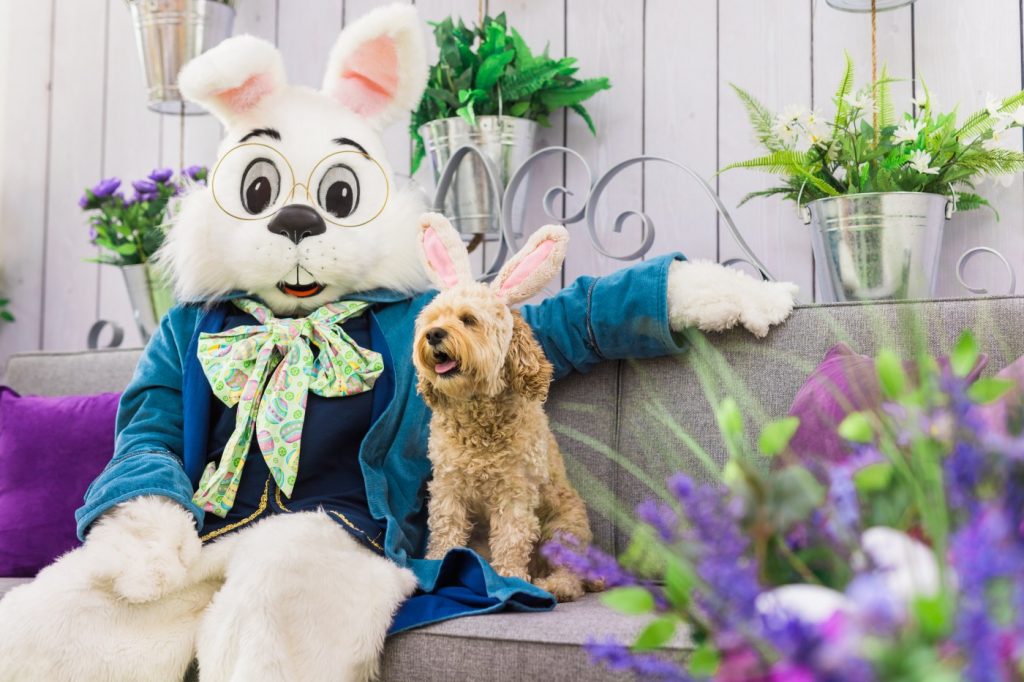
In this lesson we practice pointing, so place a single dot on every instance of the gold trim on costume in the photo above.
(248, 519)
(356, 528)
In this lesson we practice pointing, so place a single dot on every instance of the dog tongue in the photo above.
(445, 367)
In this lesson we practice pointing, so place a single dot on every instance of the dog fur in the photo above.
(496, 465)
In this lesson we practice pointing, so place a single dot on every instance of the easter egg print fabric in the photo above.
(268, 370)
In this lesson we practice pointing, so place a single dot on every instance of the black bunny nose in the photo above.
(297, 222)
(436, 336)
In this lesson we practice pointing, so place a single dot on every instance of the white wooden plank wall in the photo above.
(75, 112)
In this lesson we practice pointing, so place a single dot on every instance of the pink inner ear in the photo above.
(248, 94)
(439, 259)
(527, 267)
(370, 77)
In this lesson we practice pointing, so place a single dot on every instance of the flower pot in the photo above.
(506, 141)
(168, 34)
(877, 246)
(151, 295)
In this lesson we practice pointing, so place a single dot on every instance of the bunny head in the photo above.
(468, 340)
(301, 206)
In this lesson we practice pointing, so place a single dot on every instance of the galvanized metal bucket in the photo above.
(168, 34)
(151, 294)
(877, 246)
(506, 141)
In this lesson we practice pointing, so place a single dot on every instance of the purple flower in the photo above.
(195, 172)
(617, 656)
(105, 188)
(83, 201)
(161, 175)
(842, 494)
(589, 563)
(145, 187)
(720, 554)
(661, 517)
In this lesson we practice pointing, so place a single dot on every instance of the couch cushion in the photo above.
(507, 647)
(764, 376)
(79, 373)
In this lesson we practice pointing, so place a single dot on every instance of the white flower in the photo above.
(793, 113)
(816, 129)
(920, 160)
(921, 100)
(908, 131)
(1018, 116)
(992, 105)
(786, 131)
(857, 100)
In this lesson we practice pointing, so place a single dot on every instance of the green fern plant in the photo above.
(929, 152)
(5, 314)
(489, 70)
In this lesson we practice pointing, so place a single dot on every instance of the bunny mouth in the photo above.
(303, 285)
(445, 365)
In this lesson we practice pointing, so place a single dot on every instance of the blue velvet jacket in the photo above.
(162, 422)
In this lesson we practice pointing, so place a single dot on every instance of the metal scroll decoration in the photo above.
(587, 213)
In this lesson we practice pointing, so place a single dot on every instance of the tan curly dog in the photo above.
(499, 483)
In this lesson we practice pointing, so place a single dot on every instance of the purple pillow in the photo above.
(844, 382)
(51, 448)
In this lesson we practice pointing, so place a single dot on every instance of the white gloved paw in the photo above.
(712, 297)
(147, 547)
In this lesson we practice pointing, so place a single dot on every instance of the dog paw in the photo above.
(767, 304)
(513, 572)
(148, 546)
(563, 585)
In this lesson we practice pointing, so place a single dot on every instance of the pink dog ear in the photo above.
(444, 254)
(234, 77)
(535, 265)
(378, 66)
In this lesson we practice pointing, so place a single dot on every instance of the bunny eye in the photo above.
(467, 320)
(338, 193)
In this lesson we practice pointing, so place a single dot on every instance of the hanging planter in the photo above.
(489, 91)
(168, 34)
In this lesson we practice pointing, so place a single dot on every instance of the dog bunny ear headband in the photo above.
(524, 275)
(377, 69)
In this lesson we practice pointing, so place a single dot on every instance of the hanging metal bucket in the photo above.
(506, 141)
(151, 295)
(877, 246)
(168, 34)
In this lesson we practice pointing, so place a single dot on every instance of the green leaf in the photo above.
(775, 436)
(965, 354)
(704, 660)
(679, 582)
(629, 600)
(585, 115)
(989, 389)
(873, 478)
(564, 97)
(6, 316)
(890, 374)
(761, 119)
(845, 87)
(857, 427)
(730, 421)
(934, 615)
(467, 114)
(657, 634)
(519, 108)
(492, 68)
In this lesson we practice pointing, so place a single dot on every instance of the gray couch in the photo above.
(634, 409)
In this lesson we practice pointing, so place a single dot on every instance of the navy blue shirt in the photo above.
(329, 475)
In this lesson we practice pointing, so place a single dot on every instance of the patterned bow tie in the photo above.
(268, 370)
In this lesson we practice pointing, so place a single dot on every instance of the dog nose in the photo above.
(297, 222)
(436, 336)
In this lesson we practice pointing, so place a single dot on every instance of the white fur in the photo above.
(712, 297)
(210, 253)
(298, 599)
(125, 606)
(303, 601)
(402, 23)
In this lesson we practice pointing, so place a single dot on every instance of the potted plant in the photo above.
(168, 34)
(877, 189)
(129, 231)
(489, 90)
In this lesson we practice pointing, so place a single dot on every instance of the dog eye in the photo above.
(468, 320)
(261, 183)
(338, 193)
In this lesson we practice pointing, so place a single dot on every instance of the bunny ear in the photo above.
(536, 263)
(444, 254)
(378, 66)
(234, 77)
